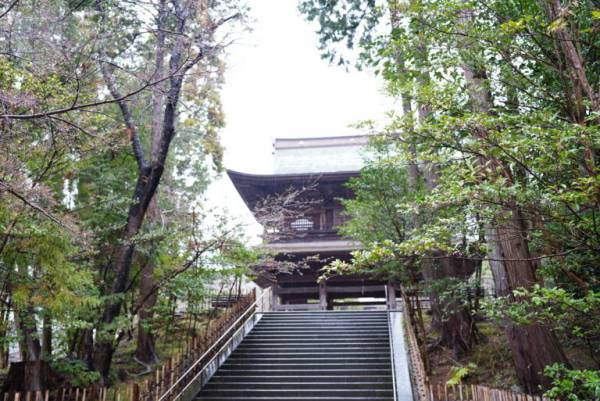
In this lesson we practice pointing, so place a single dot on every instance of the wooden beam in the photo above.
(299, 290)
(300, 307)
(358, 303)
(356, 289)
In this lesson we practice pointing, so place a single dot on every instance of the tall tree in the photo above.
(78, 96)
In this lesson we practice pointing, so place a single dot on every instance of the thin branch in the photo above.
(33, 205)
(132, 129)
(10, 7)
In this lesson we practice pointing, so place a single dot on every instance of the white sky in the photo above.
(278, 86)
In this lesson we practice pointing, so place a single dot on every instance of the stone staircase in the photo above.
(309, 356)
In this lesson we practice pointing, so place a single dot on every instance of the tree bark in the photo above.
(4, 326)
(533, 347)
(147, 183)
(84, 347)
(145, 350)
(29, 343)
(46, 352)
(146, 342)
(452, 319)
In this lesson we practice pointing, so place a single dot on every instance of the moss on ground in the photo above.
(489, 363)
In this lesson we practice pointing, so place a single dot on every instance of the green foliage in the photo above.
(573, 385)
(572, 316)
(458, 374)
(376, 215)
(349, 22)
(77, 374)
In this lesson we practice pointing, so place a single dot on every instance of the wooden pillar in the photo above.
(274, 297)
(391, 296)
(323, 296)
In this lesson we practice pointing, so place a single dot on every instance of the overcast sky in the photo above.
(278, 86)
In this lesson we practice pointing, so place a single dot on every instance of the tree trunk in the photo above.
(84, 347)
(533, 347)
(4, 327)
(458, 329)
(147, 182)
(452, 319)
(26, 326)
(146, 342)
(145, 350)
(148, 179)
(47, 337)
(29, 343)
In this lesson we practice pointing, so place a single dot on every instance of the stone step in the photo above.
(322, 334)
(337, 392)
(308, 331)
(320, 317)
(288, 385)
(308, 355)
(286, 398)
(230, 371)
(315, 345)
(328, 360)
(305, 365)
(315, 340)
(323, 325)
(339, 379)
(323, 321)
(327, 313)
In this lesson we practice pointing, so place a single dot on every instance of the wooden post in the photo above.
(135, 392)
(391, 296)
(323, 296)
(274, 296)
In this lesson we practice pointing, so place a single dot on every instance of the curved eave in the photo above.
(253, 186)
(237, 176)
